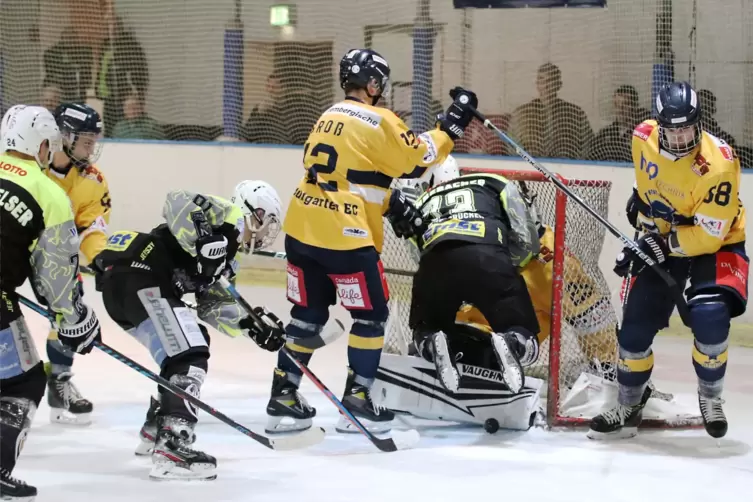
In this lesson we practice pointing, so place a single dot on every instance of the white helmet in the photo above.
(262, 211)
(446, 171)
(25, 128)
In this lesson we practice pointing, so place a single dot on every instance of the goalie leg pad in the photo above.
(411, 385)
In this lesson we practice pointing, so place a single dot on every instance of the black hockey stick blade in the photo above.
(400, 440)
(682, 306)
(304, 439)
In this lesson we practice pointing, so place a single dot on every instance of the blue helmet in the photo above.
(678, 112)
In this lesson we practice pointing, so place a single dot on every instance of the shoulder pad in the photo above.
(727, 152)
(643, 131)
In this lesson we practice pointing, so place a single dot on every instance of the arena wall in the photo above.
(141, 173)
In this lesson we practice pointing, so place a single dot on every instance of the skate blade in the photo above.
(171, 472)
(346, 427)
(511, 370)
(275, 425)
(64, 417)
(31, 498)
(624, 433)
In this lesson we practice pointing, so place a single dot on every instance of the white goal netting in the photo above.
(565, 82)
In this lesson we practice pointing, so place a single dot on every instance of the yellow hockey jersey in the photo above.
(693, 200)
(352, 154)
(90, 197)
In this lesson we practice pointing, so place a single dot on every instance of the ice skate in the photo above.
(148, 432)
(15, 489)
(512, 371)
(172, 457)
(287, 410)
(443, 362)
(67, 406)
(357, 400)
(714, 419)
(621, 422)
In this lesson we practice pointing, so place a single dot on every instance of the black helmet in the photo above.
(678, 107)
(358, 67)
(75, 119)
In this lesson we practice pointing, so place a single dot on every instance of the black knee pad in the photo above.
(187, 363)
(29, 385)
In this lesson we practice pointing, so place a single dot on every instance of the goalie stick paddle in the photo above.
(304, 439)
(682, 306)
(398, 441)
(282, 255)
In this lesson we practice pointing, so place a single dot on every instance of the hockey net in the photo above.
(582, 321)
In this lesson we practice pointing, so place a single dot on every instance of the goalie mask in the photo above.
(678, 112)
(262, 210)
(81, 127)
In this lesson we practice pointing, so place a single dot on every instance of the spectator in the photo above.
(96, 53)
(136, 124)
(52, 96)
(613, 143)
(265, 122)
(549, 126)
(708, 122)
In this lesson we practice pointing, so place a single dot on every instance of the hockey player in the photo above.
(38, 241)
(143, 277)
(74, 171)
(480, 233)
(686, 201)
(334, 230)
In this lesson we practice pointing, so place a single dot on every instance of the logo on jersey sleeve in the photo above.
(711, 226)
(643, 131)
(700, 165)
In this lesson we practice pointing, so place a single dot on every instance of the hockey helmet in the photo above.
(25, 128)
(678, 113)
(359, 67)
(81, 127)
(262, 212)
(446, 171)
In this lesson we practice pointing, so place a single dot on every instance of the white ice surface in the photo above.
(450, 463)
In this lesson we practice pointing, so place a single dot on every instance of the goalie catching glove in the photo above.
(80, 336)
(406, 220)
(654, 245)
(269, 334)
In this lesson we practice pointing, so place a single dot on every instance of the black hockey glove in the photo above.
(270, 335)
(79, 337)
(211, 254)
(459, 114)
(652, 244)
(405, 219)
(632, 209)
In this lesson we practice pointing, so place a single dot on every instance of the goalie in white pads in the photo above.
(479, 233)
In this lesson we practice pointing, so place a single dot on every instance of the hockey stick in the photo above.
(682, 306)
(303, 440)
(282, 255)
(400, 441)
(314, 342)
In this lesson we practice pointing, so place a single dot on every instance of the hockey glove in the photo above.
(459, 114)
(80, 336)
(652, 244)
(211, 253)
(405, 219)
(269, 335)
(632, 210)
